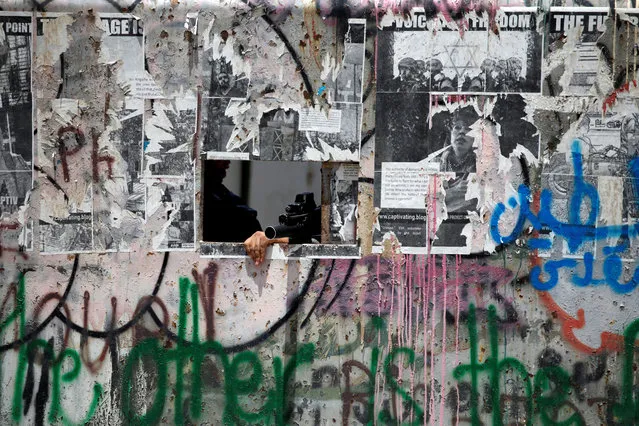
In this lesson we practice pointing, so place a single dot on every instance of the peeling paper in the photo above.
(123, 43)
(343, 199)
(573, 64)
(119, 208)
(171, 55)
(170, 202)
(54, 39)
(168, 134)
(225, 72)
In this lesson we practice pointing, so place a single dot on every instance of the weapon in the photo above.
(301, 222)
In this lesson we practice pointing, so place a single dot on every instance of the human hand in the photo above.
(256, 245)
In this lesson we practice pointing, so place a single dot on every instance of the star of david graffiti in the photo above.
(461, 57)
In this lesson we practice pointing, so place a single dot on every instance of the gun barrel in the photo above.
(282, 231)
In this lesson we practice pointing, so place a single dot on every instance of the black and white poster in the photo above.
(401, 140)
(572, 54)
(606, 142)
(71, 234)
(426, 184)
(170, 54)
(16, 143)
(220, 80)
(329, 135)
(225, 70)
(67, 228)
(343, 203)
(75, 65)
(220, 136)
(123, 41)
(418, 54)
(279, 135)
(345, 84)
(119, 200)
(170, 202)
(311, 134)
(169, 131)
(562, 187)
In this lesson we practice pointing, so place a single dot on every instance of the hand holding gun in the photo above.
(300, 224)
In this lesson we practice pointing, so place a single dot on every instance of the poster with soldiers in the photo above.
(421, 53)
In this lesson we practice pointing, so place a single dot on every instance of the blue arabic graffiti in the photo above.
(575, 232)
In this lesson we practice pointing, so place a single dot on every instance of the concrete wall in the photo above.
(512, 333)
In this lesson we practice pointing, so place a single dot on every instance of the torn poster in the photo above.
(417, 54)
(123, 43)
(118, 207)
(311, 134)
(606, 143)
(562, 187)
(224, 71)
(70, 234)
(469, 136)
(66, 153)
(279, 135)
(169, 131)
(66, 228)
(25, 238)
(222, 81)
(332, 135)
(571, 55)
(170, 202)
(345, 84)
(16, 140)
(343, 203)
(170, 53)
(70, 62)
(220, 135)
(401, 122)
(607, 140)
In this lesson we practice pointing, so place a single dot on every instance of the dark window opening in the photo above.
(242, 197)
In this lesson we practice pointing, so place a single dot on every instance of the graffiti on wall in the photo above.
(477, 262)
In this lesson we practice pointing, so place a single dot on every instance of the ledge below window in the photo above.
(282, 252)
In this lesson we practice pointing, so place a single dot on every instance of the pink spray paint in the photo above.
(457, 263)
(443, 359)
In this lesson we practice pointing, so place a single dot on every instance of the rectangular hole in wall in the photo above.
(242, 197)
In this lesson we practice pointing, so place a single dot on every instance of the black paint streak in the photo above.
(115, 371)
(291, 50)
(110, 334)
(295, 304)
(366, 180)
(40, 6)
(43, 389)
(525, 171)
(27, 393)
(76, 327)
(120, 8)
(289, 47)
(132, 6)
(341, 286)
(61, 85)
(53, 182)
(319, 296)
(369, 84)
(34, 333)
(368, 137)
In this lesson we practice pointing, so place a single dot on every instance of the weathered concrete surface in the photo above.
(145, 336)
